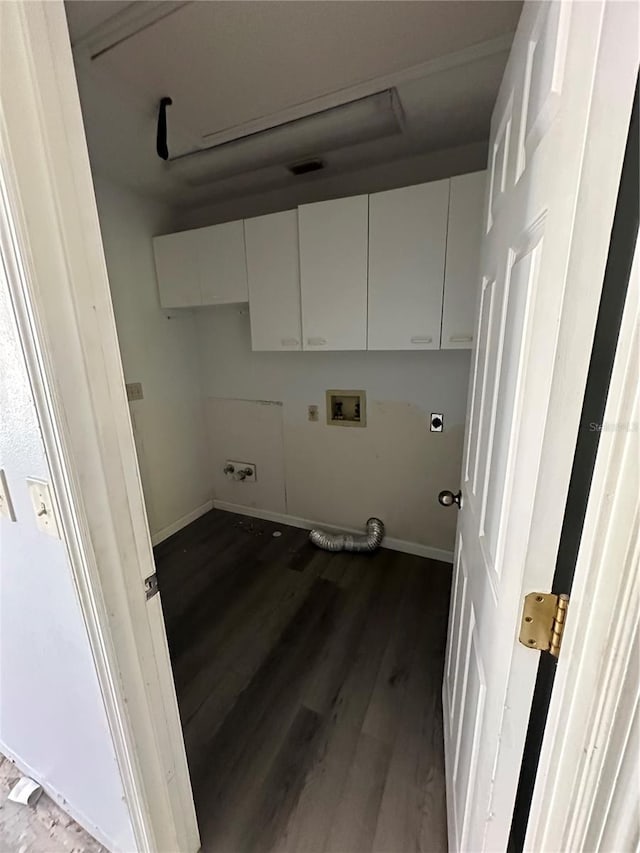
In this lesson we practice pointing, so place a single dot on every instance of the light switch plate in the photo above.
(134, 391)
(42, 503)
(6, 507)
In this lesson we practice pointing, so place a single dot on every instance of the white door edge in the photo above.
(50, 240)
(595, 667)
(589, 62)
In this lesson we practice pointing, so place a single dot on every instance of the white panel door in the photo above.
(177, 269)
(273, 270)
(407, 239)
(535, 324)
(462, 268)
(333, 273)
(223, 265)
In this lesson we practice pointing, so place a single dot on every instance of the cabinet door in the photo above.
(462, 276)
(177, 269)
(333, 273)
(223, 266)
(273, 270)
(407, 240)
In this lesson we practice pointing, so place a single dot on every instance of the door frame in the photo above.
(49, 231)
(599, 414)
(52, 250)
(591, 702)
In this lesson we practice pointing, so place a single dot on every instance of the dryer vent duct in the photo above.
(346, 542)
(303, 139)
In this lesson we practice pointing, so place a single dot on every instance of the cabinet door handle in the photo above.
(461, 339)
(421, 339)
(289, 342)
(316, 342)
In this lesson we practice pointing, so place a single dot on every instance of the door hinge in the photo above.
(543, 617)
(151, 586)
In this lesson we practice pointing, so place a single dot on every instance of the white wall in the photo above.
(158, 349)
(53, 721)
(392, 468)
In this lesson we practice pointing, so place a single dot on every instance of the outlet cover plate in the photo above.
(436, 424)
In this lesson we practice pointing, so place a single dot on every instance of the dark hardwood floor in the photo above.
(309, 687)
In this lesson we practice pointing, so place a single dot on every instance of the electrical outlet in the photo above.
(42, 503)
(437, 422)
(6, 508)
(134, 391)
(242, 472)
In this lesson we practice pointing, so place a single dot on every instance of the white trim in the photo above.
(306, 524)
(596, 677)
(67, 807)
(57, 278)
(170, 529)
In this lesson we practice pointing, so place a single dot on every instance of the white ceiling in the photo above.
(85, 17)
(234, 68)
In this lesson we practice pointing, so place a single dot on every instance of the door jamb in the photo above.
(57, 279)
(617, 292)
(602, 624)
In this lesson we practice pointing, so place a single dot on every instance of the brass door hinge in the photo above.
(542, 623)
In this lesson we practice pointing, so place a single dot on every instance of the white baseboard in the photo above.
(67, 807)
(306, 524)
(170, 529)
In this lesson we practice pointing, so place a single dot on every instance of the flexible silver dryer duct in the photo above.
(346, 542)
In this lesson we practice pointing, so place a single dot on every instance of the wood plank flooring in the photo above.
(309, 688)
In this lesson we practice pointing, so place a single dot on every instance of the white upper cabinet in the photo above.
(396, 270)
(333, 273)
(177, 269)
(407, 238)
(462, 274)
(223, 264)
(273, 269)
(206, 266)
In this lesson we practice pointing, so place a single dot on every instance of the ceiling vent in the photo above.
(306, 166)
(353, 123)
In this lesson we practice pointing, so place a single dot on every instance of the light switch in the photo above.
(42, 503)
(6, 508)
